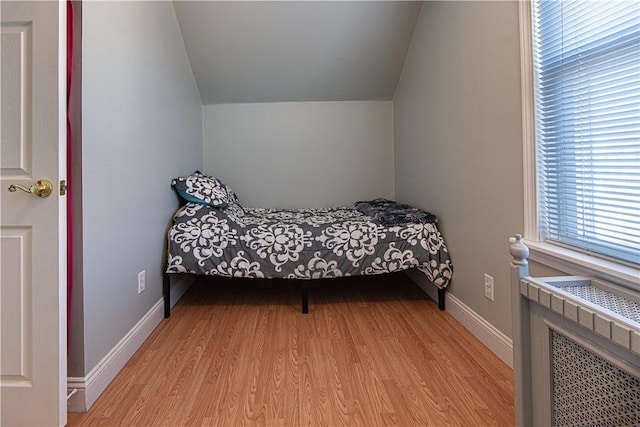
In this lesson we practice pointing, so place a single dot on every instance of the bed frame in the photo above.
(304, 295)
(304, 287)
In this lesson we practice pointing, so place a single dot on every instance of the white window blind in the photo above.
(586, 57)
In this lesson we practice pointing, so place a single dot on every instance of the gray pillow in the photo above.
(205, 190)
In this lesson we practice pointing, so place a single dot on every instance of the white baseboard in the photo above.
(500, 344)
(89, 388)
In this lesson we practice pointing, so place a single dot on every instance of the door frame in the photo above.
(62, 208)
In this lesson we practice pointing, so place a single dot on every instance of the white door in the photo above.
(32, 229)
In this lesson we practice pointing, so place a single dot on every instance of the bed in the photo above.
(214, 234)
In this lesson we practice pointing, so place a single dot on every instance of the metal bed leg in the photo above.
(441, 293)
(166, 285)
(304, 289)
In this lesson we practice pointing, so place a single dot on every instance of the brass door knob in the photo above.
(41, 188)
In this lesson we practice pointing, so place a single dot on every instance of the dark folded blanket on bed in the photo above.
(390, 213)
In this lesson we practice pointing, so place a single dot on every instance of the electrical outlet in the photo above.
(141, 281)
(488, 286)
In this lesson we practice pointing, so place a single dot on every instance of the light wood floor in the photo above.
(373, 351)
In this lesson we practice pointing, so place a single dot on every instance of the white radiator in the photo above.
(576, 349)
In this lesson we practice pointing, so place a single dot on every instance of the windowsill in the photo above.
(577, 263)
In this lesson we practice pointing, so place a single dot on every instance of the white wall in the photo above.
(315, 154)
(142, 125)
(458, 141)
(296, 51)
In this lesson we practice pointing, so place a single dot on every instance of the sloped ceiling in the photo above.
(268, 51)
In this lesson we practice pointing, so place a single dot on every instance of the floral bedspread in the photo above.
(236, 241)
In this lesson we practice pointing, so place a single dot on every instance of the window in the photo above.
(586, 91)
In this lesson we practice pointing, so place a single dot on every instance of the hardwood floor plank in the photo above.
(373, 351)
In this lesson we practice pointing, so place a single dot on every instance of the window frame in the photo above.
(567, 260)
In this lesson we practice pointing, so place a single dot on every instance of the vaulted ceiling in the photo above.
(277, 51)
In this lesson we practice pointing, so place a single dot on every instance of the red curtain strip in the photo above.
(69, 168)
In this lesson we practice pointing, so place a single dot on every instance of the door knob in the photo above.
(41, 188)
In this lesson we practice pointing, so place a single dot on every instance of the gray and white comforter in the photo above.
(236, 241)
